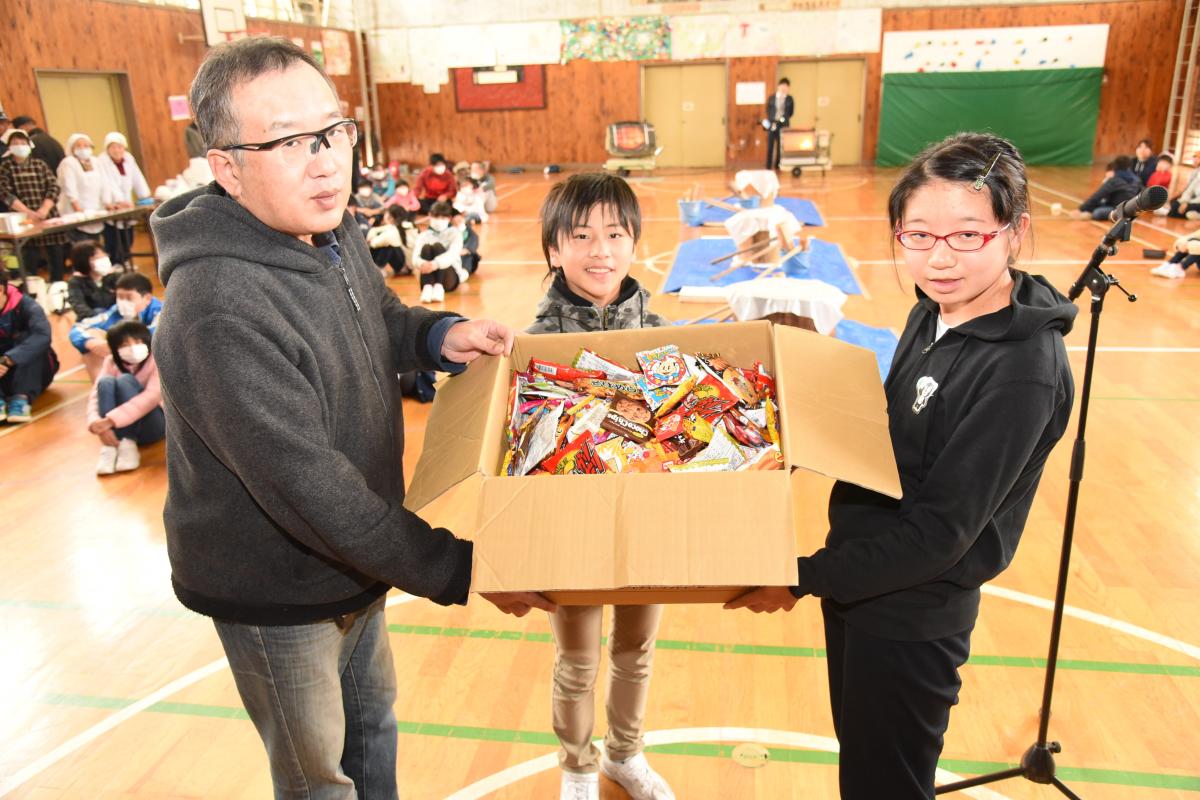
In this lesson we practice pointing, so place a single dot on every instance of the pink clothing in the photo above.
(408, 202)
(128, 413)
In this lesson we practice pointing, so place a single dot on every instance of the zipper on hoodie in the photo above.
(361, 336)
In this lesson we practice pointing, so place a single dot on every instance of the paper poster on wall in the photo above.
(296, 40)
(338, 56)
(389, 56)
(698, 36)
(613, 39)
(859, 30)
(427, 53)
(178, 105)
(751, 36)
(995, 49)
(528, 42)
(750, 93)
(318, 51)
(474, 46)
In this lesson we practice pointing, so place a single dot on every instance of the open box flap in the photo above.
(460, 431)
(834, 410)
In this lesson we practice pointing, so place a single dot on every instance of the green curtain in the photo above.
(1050, 115)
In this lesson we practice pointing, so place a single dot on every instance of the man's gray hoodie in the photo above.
(279, 365)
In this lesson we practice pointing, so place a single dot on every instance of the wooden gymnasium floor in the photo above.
(111, 690)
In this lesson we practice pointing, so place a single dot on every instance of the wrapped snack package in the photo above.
(663, 366)
(587, 360)
(683, 413)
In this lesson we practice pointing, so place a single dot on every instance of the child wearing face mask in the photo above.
(125, 407)
(135, 300)
(437, 255)
(435, 184)
(470, 242)
(83, 186)
(470, 200)
(404, 198)
(92, 288)
(389, 241)
(366, 207)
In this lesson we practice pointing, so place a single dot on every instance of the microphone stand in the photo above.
(1037, 764)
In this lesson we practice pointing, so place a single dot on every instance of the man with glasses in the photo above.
(279, 360)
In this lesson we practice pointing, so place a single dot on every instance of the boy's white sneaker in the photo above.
(107, 464)
(439, 293)
(577, 786)
(636, 776)
(427, 293)
(1193, 215)
(127, 455)
(1162, 211)
(1168, 269)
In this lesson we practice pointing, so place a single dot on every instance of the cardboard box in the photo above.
(642, 538)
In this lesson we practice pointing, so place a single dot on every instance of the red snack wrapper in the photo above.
(668, 426)
(743, 433)
(577, 458)
(561, 372)
(713, 398)
(763, 380)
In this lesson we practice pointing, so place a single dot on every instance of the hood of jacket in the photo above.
(1034, 306)
(563, 311)
(206, 223)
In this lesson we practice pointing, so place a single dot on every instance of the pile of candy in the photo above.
(680, 413)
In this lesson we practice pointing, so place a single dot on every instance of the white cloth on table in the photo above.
(749, 221)
(764, 181)
(817, 300)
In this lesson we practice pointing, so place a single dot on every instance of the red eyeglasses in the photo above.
(962, 241)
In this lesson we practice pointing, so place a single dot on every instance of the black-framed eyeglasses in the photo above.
(962, 241)
(299, 147)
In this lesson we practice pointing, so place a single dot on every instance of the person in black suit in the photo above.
(780, 107)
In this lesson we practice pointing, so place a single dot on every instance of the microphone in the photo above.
(1147, 200)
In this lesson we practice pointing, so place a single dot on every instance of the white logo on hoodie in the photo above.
(925, 388)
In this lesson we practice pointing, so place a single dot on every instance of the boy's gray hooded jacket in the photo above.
(563, 311)
(279, 367)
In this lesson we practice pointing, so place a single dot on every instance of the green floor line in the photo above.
(789, 755)
(1175, 670)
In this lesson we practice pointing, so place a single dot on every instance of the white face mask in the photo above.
(403, 190)
(102, 266)
(439, 224)
(127, 309)
(83, 153)
(364, 191)
(21, 150)
(440, 169)
(133, 354)
(378, 176)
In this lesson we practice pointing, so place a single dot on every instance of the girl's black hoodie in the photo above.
(972, 418)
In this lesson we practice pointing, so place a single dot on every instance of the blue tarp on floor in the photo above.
(693, 266)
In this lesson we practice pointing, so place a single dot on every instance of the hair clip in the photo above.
(978, 185)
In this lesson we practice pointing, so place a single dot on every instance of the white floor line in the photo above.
(45, 412)
(511, 192)
(1139, 221)
(763, 736)
(1178, 646)
(70, 371)
(1081, 349)
(89, 735)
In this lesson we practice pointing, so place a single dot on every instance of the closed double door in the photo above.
(686, 106)
(829, 96)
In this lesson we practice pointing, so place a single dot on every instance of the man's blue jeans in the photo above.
(321, 698)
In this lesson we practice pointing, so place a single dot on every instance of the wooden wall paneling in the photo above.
(582, 99)
(138, 40)
(747, 145)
